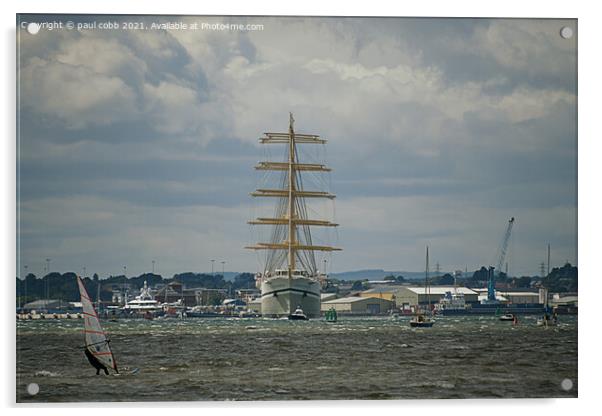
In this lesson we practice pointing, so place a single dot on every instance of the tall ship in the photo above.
(290, 280)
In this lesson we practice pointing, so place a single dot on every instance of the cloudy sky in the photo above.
(140, 145)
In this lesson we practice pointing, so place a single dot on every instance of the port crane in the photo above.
(504, 246)
(500, 262)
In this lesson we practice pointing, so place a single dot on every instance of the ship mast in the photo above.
(292, 231)
(427, 288)
(294, 214)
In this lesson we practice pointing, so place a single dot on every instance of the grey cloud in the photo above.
(439, 129)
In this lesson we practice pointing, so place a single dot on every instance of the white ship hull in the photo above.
(280, 296)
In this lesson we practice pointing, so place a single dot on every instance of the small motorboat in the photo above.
(298, 315)
(421, 321)
(248, 314)
(507, 317)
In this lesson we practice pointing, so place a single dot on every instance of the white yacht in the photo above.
(423, 319)
(143, 303)
(451, 301)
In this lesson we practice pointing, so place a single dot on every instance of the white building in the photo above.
(359, 305)
(419, 295)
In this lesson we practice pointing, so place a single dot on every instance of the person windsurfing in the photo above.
(97, 348)
(95, 362)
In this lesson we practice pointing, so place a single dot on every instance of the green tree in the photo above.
(244, 281)
(523, 281)
(562, 279)
(215, 299)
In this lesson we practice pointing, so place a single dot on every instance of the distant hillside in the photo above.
(376, 274)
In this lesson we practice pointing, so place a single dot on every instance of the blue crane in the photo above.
(500, 262)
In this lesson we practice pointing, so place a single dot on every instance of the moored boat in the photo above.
(422, 319)
(248, 314)
(144, 305)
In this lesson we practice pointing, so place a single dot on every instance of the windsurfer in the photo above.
(95, 362)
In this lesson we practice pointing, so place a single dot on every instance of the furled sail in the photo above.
(291, 245)
(96, 339)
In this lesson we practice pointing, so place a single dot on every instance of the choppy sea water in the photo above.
(261, 359)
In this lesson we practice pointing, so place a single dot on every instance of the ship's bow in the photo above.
(280, 296)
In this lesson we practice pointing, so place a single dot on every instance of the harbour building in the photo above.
(357, 305)
(194, 296)
(43, 305)
(409, 296)
(390, 293)
(519, 297)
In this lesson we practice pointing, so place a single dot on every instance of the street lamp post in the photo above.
(47, 279)
(25, 287)
(125, 297)
(153, 267)
(223, 262)
(212, 263)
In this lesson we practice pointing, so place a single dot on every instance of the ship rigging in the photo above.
(290, 249)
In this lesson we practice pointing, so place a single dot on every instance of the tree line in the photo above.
(63, 286)
(560, 279)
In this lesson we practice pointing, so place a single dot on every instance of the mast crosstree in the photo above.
(291, 225)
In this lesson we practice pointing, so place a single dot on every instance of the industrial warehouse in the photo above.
(357, 305)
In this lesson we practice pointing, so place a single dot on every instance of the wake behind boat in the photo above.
(546, 320)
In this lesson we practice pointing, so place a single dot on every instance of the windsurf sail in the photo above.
(96, 338)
